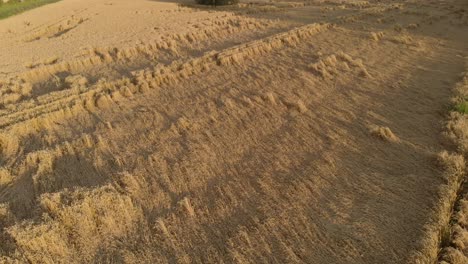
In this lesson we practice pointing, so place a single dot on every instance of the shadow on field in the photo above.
(377, 16)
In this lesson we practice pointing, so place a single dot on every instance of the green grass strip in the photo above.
(15, 7)
(462, 107)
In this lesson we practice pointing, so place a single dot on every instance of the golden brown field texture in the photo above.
(263, 132)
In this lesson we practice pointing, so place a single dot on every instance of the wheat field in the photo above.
(309, 131)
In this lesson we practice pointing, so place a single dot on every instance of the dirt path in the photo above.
(264, 138)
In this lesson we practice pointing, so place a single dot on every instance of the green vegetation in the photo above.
(462, 107)
(217, 2)
(14, 7)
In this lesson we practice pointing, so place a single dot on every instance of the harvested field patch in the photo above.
(265, 132)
